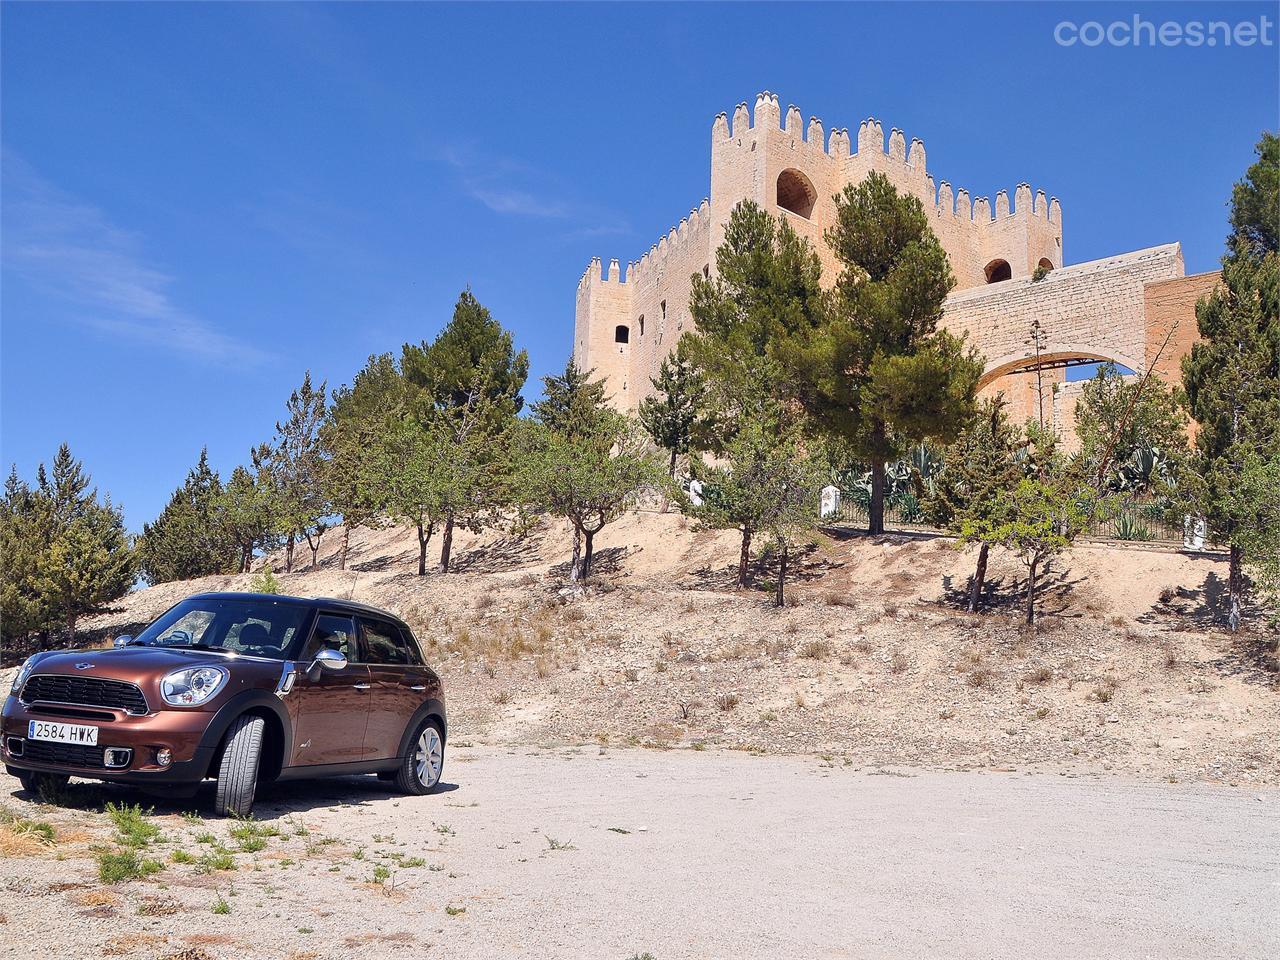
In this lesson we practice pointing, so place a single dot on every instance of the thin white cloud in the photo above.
(70, 250)
(495, 182)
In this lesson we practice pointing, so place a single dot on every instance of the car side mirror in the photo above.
(123, 641)
(330, 660)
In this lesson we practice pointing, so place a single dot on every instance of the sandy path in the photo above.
(730, 855)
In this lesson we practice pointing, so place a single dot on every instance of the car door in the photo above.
(330, 707)
(398, 687)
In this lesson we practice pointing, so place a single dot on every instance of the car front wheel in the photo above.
(238, 772)
(420, 771)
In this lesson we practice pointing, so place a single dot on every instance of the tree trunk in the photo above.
(246, 557)
(744, 560)
(446, 546)
(781, 599)
(1031, 592)
(288, 554)
(1235, 588)
(875, 510)
(424, 537)
(346, 544)
(575, 568)
(979, 578)
(589, 550)
(672, 469)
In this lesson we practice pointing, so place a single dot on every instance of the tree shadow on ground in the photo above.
(1053, 593)
(505, 554)
(606, 562)
(889, 538)
(385, 562)
(804, 565)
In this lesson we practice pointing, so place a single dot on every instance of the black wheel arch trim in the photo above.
(240, 704)
(430, 708)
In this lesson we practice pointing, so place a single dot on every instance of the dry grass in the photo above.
(1041, 674)
(727, 702)
(815, 649)
(899, 663)
(977, 671)
(95, 898)
(1105, 690)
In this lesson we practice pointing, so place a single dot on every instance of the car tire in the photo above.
(238, 772)
(43, 785)
(421, 768)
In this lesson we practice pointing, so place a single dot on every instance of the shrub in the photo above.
(125, 865)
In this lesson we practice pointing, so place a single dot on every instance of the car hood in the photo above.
(127, 662)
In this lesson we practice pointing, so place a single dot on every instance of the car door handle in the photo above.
(418, 687)
(360, 686)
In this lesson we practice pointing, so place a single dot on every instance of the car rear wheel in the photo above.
(420, 771)
(238, 772)
(43, 785)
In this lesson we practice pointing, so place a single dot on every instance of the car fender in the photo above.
(242, 703)
(429, 708)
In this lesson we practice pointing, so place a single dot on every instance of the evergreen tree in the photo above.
(768, 485)
(976, 471)
(765, 291)
(582, 461)
(357, 420)
(247, 507)
(877, 373)
(188, 539)
(669, 414)
(468, 383)
(1232, 375)
(1040, 515)
(572, 403)
(65, 554)
(298, 467)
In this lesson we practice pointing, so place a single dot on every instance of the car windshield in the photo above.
(252, 627)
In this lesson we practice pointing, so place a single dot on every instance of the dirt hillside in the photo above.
(871, 662)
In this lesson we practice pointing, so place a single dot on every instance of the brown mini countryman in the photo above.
(241, 687)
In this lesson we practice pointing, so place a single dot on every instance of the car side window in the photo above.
(410, 646)
(383, 642)
(332, 633)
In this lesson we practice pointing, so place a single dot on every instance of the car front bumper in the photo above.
(143, 737)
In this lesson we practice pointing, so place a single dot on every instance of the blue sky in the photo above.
(202, 201)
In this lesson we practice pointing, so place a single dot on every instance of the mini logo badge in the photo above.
(83, 666)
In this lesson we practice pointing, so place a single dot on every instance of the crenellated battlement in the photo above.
(692, 229)
(872, 151)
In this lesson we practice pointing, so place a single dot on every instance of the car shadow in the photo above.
(273, 800)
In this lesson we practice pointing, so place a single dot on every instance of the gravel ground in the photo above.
(584, 852)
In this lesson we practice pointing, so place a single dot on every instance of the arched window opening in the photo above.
(796, 193)
(621, 334)
(642, 324)
(1045, 264)
(998, 270)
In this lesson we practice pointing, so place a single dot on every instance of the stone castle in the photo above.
(1136, 309)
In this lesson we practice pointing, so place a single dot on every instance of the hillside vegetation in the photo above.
(872, 661)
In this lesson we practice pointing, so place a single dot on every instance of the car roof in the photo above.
(328, 603)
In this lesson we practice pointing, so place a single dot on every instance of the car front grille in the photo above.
(87, 691)
(63, 754)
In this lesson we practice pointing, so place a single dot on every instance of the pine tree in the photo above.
(468, 383)
(247, 506)
(669, 414)
(65, 554)
(765, 291)
(582, 461)
(976, 470)
(298, 467)
(357, 419)
(1232, 375)
(189, 539)
(877, 373)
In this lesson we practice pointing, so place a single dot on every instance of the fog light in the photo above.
(164, 757)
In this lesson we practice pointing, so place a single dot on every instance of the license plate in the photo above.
(62, 732)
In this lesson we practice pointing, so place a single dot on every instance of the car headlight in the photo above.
(23, 672)
(192, 685)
